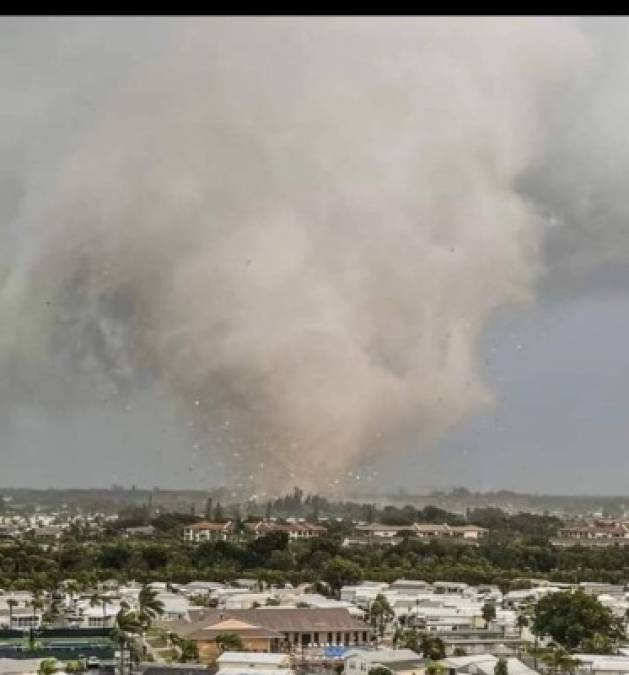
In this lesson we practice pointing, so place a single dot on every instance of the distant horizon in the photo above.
(348, 496)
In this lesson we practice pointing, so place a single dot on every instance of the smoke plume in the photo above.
(295, 229)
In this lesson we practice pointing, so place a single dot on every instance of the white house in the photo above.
(206, 531)
(261, 663)
(398, 661)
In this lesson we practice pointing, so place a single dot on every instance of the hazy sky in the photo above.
(315, 251)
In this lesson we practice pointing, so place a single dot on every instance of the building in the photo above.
(602, 664)
(8, 531)
(480, 643)
(47, 533)
(207, 531)
(398, 661)
(393, 534)
(19, 666)
(469, 532)
(600, 532)
(175, 669)
(379, 531)
(303, 530)
(482, 664)
(203, 633)
(273, 629)
(261, 663)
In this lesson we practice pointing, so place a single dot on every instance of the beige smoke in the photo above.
(300, 227)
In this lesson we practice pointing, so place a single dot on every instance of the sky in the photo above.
(326, 252)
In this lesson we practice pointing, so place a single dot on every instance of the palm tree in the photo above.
(229, 642)
(560, 661)
(97, 598)
(521, 622)
(434, 668)
(489, 613)
(380, 613)
(127, 624)
(149, 606)
(73, 589)
(501, 667)
(11, 602)
(599, 644)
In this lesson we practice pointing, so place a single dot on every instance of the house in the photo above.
(397, 661)
(175, 669)
(379, 531)
(469, 532)
(482, 664)
(207, 531)
(392, 534)
(203, 633)
(8, 531)
(275, 629)
(19, 666)
(47, 533)
(410, 586)
(261, 663)
(22, 617)
(600, 532)
(201, 588)
(432, 530)
(304, 530)
(480, 642)
(602, 664)
(88, 615)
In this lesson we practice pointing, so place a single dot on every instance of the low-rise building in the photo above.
(482, 664)
(207, 531)
(397, 661)
(261, 663)
(275, 629)
(302, 530)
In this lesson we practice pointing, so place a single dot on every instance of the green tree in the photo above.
(189, 651)
(559, 661)
(338, 572)
(501, 667)
(380, 613)
(379, 670)
(488, 612)
(149, 606)
(127, 624)
(434, 668)
(48, 667)
(229, 642)
(407, 639)
(572, 618)
(599, 644)
(11, 603)
(432, 647)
